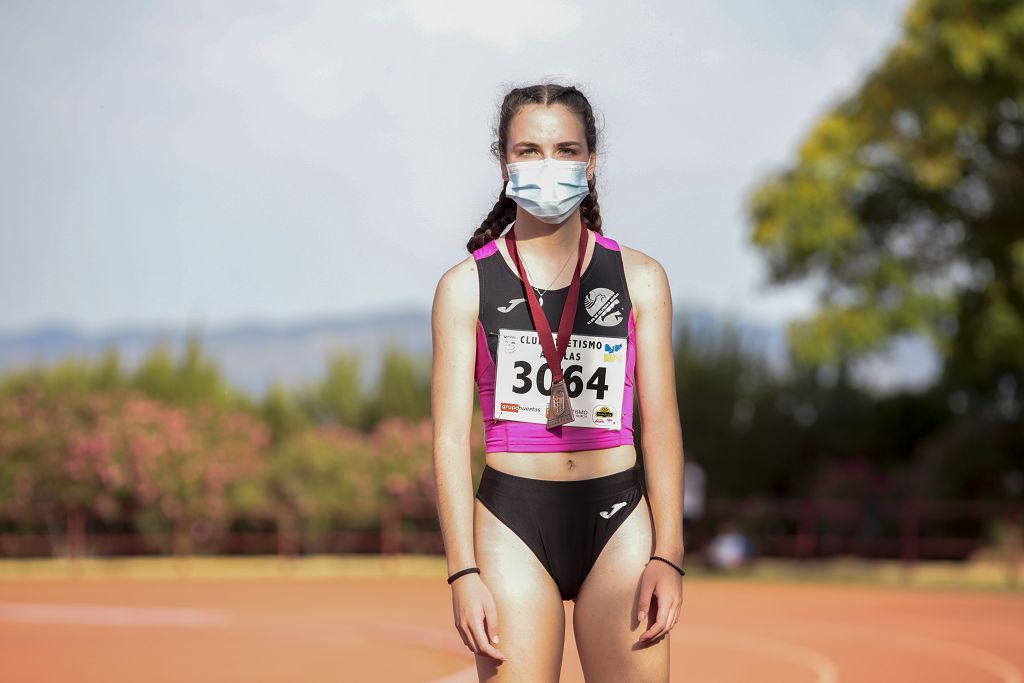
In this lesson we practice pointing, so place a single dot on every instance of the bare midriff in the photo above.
(565, 466)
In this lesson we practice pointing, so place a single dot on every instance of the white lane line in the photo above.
(824, 667)
(1007, 626)
(112, 615)
(464, 676)
(430, 639)
(972, 656)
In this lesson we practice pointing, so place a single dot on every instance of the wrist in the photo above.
(455, 576)
(673, 553)
(458, 563)
(662, 560)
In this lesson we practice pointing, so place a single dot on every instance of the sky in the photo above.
(210, 163)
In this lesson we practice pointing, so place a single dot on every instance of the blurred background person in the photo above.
(694, 485)
(730, 549)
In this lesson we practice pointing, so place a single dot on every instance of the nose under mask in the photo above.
(549, 189)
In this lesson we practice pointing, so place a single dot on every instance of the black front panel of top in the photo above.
(603, 308)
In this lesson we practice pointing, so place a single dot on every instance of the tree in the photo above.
(193, 380)
(907, 199)
(340, 397)
(403, 387)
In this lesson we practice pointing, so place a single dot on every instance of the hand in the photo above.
(665, 584)
(476, 617)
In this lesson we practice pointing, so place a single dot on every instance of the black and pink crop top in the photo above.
(512, 376)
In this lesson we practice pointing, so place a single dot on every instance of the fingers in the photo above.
(670, 621)
(480, 636)
(643, 606)
(462, 626)
(491, 622)
(476, 620)
(668, 611)
(661, 619)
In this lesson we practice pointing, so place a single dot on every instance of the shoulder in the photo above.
(458, 288)
(645, 276)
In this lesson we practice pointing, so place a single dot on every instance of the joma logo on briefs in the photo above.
(509, 407)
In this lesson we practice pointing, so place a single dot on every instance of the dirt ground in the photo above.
(400, 629)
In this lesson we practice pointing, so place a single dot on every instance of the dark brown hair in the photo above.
(504, 210)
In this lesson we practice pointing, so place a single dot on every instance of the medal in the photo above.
(559, 411)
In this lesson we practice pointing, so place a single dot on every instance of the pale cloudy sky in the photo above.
(213, 162)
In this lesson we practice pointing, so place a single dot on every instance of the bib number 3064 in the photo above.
(594, 369)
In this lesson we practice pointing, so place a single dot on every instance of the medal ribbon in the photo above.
(540, 321)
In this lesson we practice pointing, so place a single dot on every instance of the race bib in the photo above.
(595, 375)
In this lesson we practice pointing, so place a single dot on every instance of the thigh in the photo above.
(604, 618)
(531, 615)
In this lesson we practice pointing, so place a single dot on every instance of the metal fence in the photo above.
(908, 530)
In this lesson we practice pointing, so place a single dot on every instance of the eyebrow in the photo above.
(528, 143)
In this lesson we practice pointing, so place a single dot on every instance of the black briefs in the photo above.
(565, 523)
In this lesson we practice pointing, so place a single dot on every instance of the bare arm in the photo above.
(659, 411)
(453, 323)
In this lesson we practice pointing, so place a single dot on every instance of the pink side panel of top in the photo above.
(486, 250)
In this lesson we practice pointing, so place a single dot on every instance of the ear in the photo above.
(504, 168)
(592, 165)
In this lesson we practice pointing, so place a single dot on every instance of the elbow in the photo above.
(450, 442)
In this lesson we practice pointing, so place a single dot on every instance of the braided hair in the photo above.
(504, 210)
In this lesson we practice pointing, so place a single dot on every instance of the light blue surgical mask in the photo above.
(550, 189)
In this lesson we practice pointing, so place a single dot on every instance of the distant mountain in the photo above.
(253, 355)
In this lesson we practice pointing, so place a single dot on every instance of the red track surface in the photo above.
(313, 630)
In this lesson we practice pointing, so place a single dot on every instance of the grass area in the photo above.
(988, 576)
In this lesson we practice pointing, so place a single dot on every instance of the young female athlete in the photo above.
(561, 511)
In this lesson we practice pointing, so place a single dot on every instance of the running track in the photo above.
(400, 629)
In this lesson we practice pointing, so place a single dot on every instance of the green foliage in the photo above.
(405, 475)
(72, 374)
(170, 448)
(107, 372)
(282, 413)
(340, 398)
(906, 199)
(156, 375)
(759, 434)
(194, 379)
(70, 444)
(402, 389)
(324, 474)
(754, 433)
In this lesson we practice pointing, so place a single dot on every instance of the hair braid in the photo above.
(590, 209)
(502, 213)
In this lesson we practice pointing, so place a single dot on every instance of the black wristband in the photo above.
(468, 570)
(677, 568)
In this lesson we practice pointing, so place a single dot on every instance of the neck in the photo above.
(549, 241)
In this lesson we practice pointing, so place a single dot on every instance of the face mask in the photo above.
(550, 189)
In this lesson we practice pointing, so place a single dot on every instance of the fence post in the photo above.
(288, 539)
(910, 532)
(75, 534)
(1013, 547)
(807, 537)
(390, 530)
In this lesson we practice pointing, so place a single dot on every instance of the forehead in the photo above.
(545, 123)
